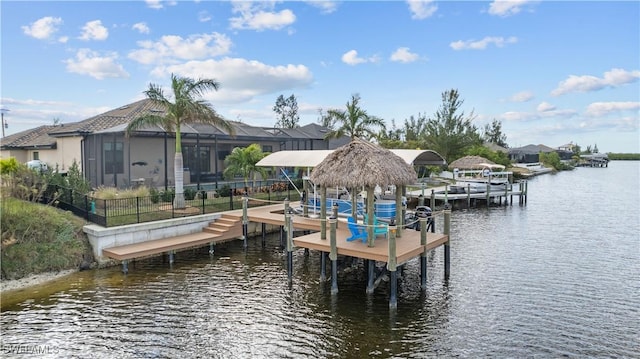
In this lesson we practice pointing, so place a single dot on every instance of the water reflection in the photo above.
(555, 278)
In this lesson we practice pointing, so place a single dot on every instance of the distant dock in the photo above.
(451, 195)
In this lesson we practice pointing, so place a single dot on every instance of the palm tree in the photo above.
(242, 161)
(354, 122)
(187, 107)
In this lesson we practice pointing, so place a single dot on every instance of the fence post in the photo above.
(231, 199)
(138, 209)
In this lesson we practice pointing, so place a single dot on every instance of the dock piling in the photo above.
(423, 256)
(333, 255)
(125, 266)
(447, 249)
(393, 267)
(323, 266)
(245, 220)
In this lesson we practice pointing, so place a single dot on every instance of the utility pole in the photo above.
(4, 124)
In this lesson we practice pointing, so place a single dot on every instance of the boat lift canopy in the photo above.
(311, 158)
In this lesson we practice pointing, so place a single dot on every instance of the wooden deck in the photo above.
(229, 227)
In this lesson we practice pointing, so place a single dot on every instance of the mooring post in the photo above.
(211, 248)
(468, 195)
(282, 234)
(421, 197)
(447, 249)
(264, 235)
(323, 266)
(171, 257)
(433, 199)
(333, 255)
(245, 220)
(488, 194)
(506, 194)
(423, 256)
(289, 220)
(392, 266)
(125, 266)
(526, 191)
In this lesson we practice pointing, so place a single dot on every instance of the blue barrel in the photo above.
(385, 209)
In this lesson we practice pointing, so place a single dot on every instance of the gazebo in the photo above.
(363, 164)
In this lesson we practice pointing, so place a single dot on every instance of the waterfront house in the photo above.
(108, 158)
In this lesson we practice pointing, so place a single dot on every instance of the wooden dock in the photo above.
(391, 249)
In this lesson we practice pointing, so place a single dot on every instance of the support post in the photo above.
(323, 212)
(392, 266)
(264, 235)
(323, 266)
(289, 221)
(211, 248)
(468, 195)
(371, 275)
(400, 211)
(125, 266)
(245, 220)
(333, 255)
(171, 257)
(433, 199)
(370, 215)
(423, 255)
(447, 247)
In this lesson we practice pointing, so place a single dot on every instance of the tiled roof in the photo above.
(35, 137)
(109, 119)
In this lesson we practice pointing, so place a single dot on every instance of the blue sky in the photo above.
(551, 72)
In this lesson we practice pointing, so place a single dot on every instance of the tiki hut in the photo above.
(363, 164)
(470, 163)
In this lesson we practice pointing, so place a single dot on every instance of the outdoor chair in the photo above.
(357, 231)
(378, 228)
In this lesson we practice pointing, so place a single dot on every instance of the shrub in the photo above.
(225, 191)
(167, 196)
(155, 195)
(189, 193)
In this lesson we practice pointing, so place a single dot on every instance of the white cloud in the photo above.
(240, 79)
(141, 27)
(482, 44)
(351, 58)
(522, 96)
(204, 16)
(587, 83)
(172, 47)
(506, 8)
(259, 16)
(606, 108)
(43, 28)
(402, 54)
(421, 9)
(545, 107)
(159, 4)
(327, 7)
(93, 30)
(90, 63)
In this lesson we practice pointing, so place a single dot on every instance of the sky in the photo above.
(551, 72)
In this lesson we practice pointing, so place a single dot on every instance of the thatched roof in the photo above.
(470, 163)
(361, 163)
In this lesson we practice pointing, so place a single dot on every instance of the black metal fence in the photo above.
(130, 210)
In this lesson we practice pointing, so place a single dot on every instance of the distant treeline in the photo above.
(624, 156)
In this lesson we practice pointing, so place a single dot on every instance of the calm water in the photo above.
(559, 277)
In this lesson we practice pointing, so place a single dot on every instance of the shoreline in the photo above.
(32, 280)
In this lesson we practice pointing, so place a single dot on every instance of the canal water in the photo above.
(559, 277)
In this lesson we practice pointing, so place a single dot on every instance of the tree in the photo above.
(450, 133)
(354, 122)
(187, 107)
(287, 111)
(242, 161)
(493, 133)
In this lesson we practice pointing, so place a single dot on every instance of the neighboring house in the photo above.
(108, 158)
(528, 153)
(39, 144)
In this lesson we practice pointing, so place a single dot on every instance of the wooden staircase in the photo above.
(225, 227)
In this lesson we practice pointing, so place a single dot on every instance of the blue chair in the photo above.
(379, 228)
(357, 231)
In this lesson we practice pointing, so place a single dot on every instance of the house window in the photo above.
(190, 158)
(113, 157)
(36, 155)
(267, 148)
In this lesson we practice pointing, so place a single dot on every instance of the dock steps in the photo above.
(224, 229)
